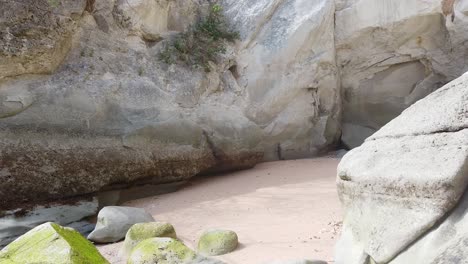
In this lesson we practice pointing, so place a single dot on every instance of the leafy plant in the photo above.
(201, 44)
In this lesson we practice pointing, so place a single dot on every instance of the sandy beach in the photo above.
(280, 210)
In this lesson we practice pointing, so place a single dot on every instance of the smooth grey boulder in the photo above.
(113, 222)
(405, 178)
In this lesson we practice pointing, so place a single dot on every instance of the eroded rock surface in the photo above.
(405, 179)
(91, 107)
(393, 53)
(287, 70)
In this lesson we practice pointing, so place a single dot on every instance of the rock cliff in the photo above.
(86, 104)
(392, 53)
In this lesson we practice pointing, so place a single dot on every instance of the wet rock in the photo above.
(14, 223)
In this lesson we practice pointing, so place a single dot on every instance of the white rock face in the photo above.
(445, 243)
(406, 178)
(287, 70)
(111, 114)
(114, 221)
(391, 54)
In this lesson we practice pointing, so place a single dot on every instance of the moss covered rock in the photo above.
(51, 243)
(217, 242)
(164, 250)
(161, 250)
(142, 231)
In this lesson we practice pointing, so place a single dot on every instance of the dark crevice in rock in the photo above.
(279, 152)
(90, 5)
(233, 69)
(380, 62)
(226, 162)
(214, 150)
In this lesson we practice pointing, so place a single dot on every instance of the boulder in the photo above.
(51, 243)
(113, 222)
(217, 242)
(142, 231)
(405, 180)
(166, 251)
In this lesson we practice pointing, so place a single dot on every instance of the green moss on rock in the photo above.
(51, 243)
(142, 231)
(161, 250)
(217, 242)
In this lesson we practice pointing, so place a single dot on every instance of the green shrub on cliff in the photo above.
(203, 43)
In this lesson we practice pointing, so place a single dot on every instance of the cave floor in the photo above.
(280, 210)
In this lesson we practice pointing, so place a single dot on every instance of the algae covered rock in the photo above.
(114, 222)
(164, 250)
(142, 231)
(217, 242)
(51, 243)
